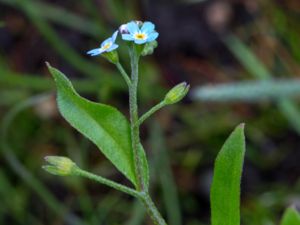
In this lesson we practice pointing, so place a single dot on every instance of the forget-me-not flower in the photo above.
(107, 46)
(140, 35)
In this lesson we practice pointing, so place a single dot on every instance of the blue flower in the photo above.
(140, 35)
(107, 46)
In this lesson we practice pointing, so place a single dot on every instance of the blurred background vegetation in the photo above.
(249, 47)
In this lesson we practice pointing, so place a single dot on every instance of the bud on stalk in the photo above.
(61, 166)
(177, 93)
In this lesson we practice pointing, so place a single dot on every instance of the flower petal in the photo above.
(114, 36)
(147, 27)
(113, 47)
(108, 40)
(132, 27)
(139, 42)
(96, 51)
(127, 37)
(152, 36)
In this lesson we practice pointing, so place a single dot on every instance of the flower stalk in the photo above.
(152, 210)
(151, 112)
(135, 133)
(107, 182)
(124, 74)
(135, 139)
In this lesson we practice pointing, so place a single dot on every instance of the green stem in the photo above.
(142, 196)
(123, 73)
(135, 133)
(152, 210)
(151, 112)
(135, 139)
(107, 182)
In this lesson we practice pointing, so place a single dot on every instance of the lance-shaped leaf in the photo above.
(225, 189)
(104, 125)
(290, 217)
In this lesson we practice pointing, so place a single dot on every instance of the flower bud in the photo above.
(139, 23)
(61, 166)
(149, 48)
(177, 93)
(123, 29)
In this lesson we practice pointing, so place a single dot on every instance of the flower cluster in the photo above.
(134, 31)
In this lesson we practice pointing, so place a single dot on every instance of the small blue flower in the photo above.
(107, 46)
(140, 35)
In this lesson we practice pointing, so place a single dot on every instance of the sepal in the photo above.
(60, 166)
(177, 93)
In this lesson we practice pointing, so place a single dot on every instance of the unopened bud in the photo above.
(61, 166)
(177, 93)
(139, 23)
(149, 48)
(123, 29)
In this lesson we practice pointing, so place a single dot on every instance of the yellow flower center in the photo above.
(106, 46)
(140, 36)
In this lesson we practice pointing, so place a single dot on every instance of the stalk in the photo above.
(135, 133)
(152, 210)
(151, 112)
(135, 139)
(102, 180)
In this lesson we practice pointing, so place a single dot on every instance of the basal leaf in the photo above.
(225, 189)
(104, 125)
(290, 217)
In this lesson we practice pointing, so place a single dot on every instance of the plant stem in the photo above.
(135, 133)
(142, 196)
(107, 182)
(123, 73)
(135, 139)
(152, 210)
(151, 111)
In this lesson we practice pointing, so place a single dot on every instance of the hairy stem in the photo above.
(151, 112)
(135, 139)
(152, 210)
(107, 182)
(124, 74)
(135, 133)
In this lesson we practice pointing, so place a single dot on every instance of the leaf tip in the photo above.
(48, 64)
(242, 126)
(53, 71)
(292, 208)
(50, 68)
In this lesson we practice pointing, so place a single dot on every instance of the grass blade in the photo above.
(63, 17)
(249, 91)
(165, 175)
(28, 178)
(287, 107)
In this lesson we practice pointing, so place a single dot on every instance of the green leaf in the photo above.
(145, 167)
(225, 189)
(104, 125)
(290, 217)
